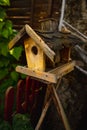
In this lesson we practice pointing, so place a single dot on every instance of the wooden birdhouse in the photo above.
(44, 51)
(35, 48)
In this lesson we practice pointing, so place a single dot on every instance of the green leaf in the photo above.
(4, 62)
(6, 29)
(23, 76)
(21, 122)
(3, 73)
(14, 76)
(8, 26)
(5, 33)
(2, 14)
(1, 25)
(5, 84)
(4, 49)
(16, 52)
(4, 2)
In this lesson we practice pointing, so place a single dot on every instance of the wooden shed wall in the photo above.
(23, 12)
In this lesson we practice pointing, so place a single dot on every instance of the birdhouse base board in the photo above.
(51, 76)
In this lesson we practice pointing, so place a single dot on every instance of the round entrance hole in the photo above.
(34, 50)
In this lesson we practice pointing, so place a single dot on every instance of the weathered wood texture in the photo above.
(31, 11)
(34, 53)
(50, 76)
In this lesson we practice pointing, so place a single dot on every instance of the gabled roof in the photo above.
(38, 40)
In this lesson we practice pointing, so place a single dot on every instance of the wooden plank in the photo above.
(40, 42)
(20, 3)
(19, 22)
(20, 96)
(37, 74)
(19, 17)
(50, 8)
(18, 11)
(9, 103)
(32, 11)
(29, 94)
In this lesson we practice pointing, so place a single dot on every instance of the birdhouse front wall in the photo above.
(34, 55)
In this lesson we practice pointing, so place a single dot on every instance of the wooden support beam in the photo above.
(60, 109)
(43, 114)
(47, 102)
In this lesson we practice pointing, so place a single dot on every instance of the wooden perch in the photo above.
(40, 42)
(37, 74)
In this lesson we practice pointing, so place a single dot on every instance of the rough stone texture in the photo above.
(76, 14)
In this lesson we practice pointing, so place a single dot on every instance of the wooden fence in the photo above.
(27, 98)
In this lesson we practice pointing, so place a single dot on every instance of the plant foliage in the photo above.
(21, 122)
(8, 59)
(4, 125)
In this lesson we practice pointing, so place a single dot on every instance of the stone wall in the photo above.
(76, 14)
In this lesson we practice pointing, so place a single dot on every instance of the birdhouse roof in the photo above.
(49, 42)
(57, 40)
(38, 40)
